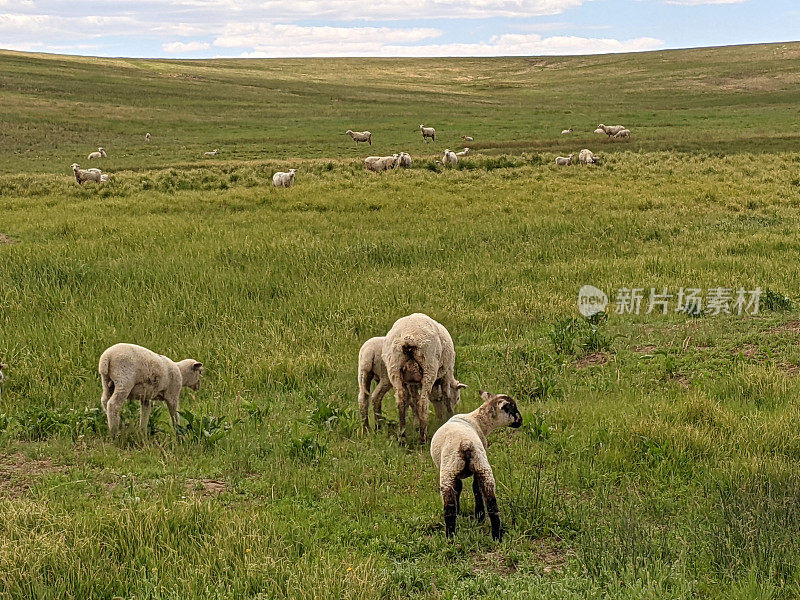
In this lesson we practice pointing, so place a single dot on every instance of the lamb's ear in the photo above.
(197, 366)
(460, 386)
(485, 396)
(3, 366)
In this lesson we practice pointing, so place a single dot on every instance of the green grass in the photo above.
(659, 453)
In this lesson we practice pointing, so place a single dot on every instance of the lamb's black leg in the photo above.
(480, 510)
(458, 486)
(487, 487)
(450, 502)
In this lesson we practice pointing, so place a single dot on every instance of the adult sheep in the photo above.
(84, 175)
(458, 449)
(610, 130)
(128, 370)
(381, 163)
(360, 136)
(427, 132)
(284, 179)
(404, 160)
(101, 153)
(371, 368)
(586, 157)
(419, 339)
(449, 158)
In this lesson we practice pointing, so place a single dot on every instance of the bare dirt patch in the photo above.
(594, 359)
(790, 327)
(748, 351)
(494, 562)
(205, 487)
(644, 349)
(17, 473)
(789, 368)
(4, 239)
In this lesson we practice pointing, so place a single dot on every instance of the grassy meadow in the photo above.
(659, 455)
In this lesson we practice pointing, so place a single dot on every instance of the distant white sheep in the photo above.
(464, 152)
(458, 449)
(381, 163)
(101, 153)
(450, 158)
(284, 179)
(146, 137)
(83, 175)
(213, 152)
(564, 160)
(566, 131)
(625, 134)
(467, 138)
(404, 160)
(360, 136)
(427, 132)
(586, 157)
(128, 370)
(610, 130)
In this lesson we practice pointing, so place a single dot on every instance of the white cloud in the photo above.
(182, 48)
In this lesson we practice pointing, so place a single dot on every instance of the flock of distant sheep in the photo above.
(285, 179)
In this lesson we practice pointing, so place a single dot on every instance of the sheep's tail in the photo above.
(103, 367)
(465, 450)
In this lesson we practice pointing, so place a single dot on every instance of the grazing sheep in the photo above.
(458, 449)
(360, 136)
(381, 163)
(467, 138)
(213, 152)
(624, 134)
(450, 158)
(586, 157)
(128, 370)
(284, 179)
(564, 160)
(146, 137)
(419, 339)
(427, 132)
(101, 153)
(372, 368)
(611, 130)
(2, 366)
(464, 152)
(82, 175)
(404, 160)
(566, 131)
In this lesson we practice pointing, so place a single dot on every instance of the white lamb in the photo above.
(101, 153)
(464, 152)
(83, 175)
(458, 449)
(564, 160)
(586, 157)
(128, 370)
(566, 131)
(146, 137)
(213, 152)
(381, 163)
(450, 158)
(284, 179)
(360, 136)
(624, 134)
(419, 339)
(404, 160)
(427, 132)
(598, 130)
(467, 138)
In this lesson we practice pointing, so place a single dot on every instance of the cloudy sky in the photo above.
(281, 28)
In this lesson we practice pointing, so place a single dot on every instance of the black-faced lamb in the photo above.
(417, 349)
(458, 449)
(128, 370)
(360, 136)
